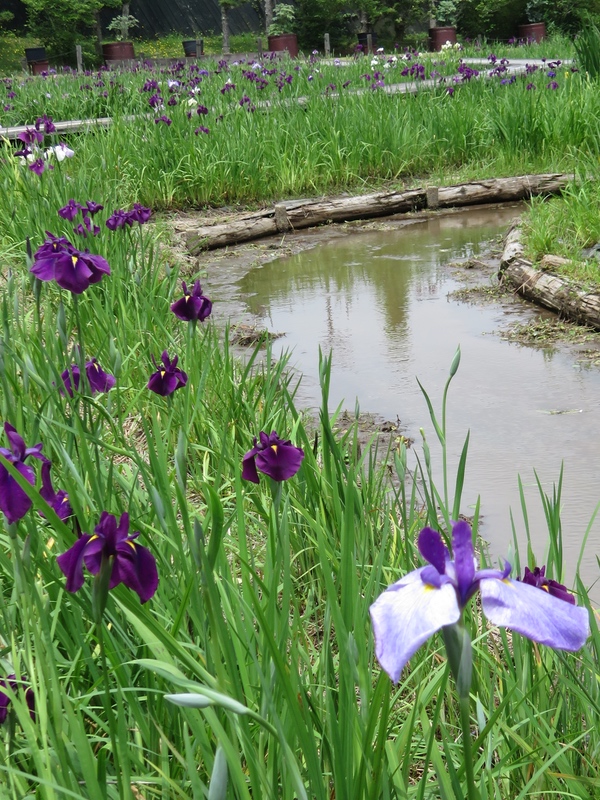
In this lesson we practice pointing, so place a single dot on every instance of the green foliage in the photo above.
(446, 12)
(61, 24)
(121, 25)
(284, 19)
(587, 47)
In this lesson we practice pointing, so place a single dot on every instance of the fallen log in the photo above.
(553, 292)
(561, 295)
(297, 214)
(304, 214)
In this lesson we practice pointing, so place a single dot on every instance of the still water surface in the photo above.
(380, 301)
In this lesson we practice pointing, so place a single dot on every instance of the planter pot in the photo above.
(33, 54)
(363, 41)
(190, 48)
(38, 67)
(439, 37)
(284, 41)
(533, 31)
(117, 51)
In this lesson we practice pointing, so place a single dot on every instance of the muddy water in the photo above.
(380, 301)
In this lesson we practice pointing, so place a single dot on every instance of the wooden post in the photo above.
(199, 47)
(327, 46)
(369, 44)
(259, 47)
(79, 57)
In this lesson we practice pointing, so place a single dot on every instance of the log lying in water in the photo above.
(558, 294)
(308, 213)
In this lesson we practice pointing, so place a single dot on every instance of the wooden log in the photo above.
(303, 214)
(513, 247)
(501, 190)
(551, 291)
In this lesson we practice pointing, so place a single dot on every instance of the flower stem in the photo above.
(108, 709)
(465, 723)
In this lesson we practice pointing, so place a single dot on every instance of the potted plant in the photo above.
(535, 29)
(122, 48)
(280, 32)
(443, 27)
(37, 60)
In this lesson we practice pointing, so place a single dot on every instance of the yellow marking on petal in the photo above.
(429, 587)
(96, 365)
(508, 582)
(131, 543)
(274, 448)
(162, 373)
(92, 537)
(74, 259)
(545, 588)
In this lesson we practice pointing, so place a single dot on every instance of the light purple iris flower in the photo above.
(14, 503)
(130, 562)
(167, 378)
(275, 457)
(430, 598)
(193, 306)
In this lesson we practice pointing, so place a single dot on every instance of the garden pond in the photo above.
(388, 300)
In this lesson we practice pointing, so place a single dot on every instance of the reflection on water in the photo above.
(380, 302)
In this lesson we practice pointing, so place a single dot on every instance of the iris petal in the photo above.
(534, 613)
(406, 615)
(464, 558)
(71, 563)
(433, 549)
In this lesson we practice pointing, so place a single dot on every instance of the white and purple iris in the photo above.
(433, 597)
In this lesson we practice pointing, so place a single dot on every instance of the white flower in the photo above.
(387, 65)
(380, 49)
(192, 101)
(61, 151)
(374, 62)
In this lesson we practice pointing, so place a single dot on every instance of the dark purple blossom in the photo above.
(91, 207)
(140, 213)
(38, 166)
(75, 270)
(163, 118)
(10, 682)
(552, 85)
(58, 501)
(530, 86)
(432, 597)
(14, 503)
(31, 136)
(86, 227)
(98, 379)
(168, 378)
(275, 457)
(69, 211)
(118, 219)
(202, 110)
(538, 578)
(129, 562)
(45, 123)
(193, 306)
(155, 101)
(201, 129)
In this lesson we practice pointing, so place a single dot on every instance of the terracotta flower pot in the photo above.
(117, 51)
(533, 31)
(284, 41)
(439, 37)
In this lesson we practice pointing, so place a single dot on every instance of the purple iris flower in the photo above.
(193, 306)
(551, 85)
(140, 213)
(98, 379)
(10, 682)
(31, 136)
(38, 166)
(538, 578)
(69, 211)
(167, 379)
(118, 219)
(202, 129)
(164, 119)
(86, 227)
(75, 270)
(430, 598)
(91, 208)
(46, 123)
(130, 562)
(14, 503)
(59, 501)
(275, 457)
